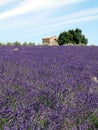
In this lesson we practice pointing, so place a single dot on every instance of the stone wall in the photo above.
(50, 41)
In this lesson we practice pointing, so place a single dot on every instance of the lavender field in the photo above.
(48, 88)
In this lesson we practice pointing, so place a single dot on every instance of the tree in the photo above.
(9, 44)
(25, 44)
(1, 44)
(31, 43)
(17, 43)
(72, 36)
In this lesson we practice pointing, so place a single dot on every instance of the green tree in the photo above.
(31, 43)
(9, 44)
(25, 44)
(72, 37)
(16, 43)
(1, 44)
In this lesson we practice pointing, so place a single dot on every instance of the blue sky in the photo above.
(31, 20)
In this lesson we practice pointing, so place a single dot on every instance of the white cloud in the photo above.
(41, 21)
(80, 16)
(84, 19)
(52, 27)
(4, 2)
(30, 5)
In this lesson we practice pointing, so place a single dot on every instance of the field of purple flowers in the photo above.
(48, 88)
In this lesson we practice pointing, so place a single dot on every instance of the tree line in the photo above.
(70, 37)
(17, 43)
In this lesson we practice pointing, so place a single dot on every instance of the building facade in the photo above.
(50, 41)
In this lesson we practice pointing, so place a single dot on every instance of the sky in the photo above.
(32, 20)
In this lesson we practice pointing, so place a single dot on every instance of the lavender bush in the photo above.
(48, 88)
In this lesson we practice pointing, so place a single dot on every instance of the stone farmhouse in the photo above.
(50, 41)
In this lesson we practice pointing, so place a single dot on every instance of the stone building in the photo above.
(50, 41)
